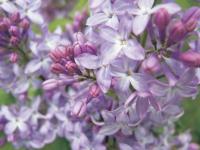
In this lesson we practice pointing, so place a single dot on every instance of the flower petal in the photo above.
(10, 127)
(109, 129)
(97, 19)
(172, 8)
(143, 4)
(104, 78)
(134, 51)
(140, 23)
(88, 61)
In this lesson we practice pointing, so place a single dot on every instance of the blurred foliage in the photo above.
(189, 121)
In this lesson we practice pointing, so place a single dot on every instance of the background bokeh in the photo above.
(189, 121)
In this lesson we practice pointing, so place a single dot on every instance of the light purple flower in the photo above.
(145, 9)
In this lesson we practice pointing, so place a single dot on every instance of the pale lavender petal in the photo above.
(140, 23)
(9, 7)
(35, 17)
(134, 50)
(142, 106)
(88, 61)
(104, 78)
(113, 22)
(111, 53)
(33, 66)
(23, 127)
(10, 127)
(6, 112)
(95, 3)
(172, 8)
(109, 129)
(109, 34)
(97, 19)
(145, 4)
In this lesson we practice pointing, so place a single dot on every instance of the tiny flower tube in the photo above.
(79, 109)
(192, 58)
(13, 57)
(57, 68)
(151, 64)
(71, 67)
(94, 90)
(50, 84)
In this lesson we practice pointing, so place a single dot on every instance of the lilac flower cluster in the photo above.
(119, 81)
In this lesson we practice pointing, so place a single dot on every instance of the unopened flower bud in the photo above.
(191, 58)
(71, 67)
(162, 18)
(79, 109)
(58, 54)
(50, 84)
(151, 64)
(192, 13)
(57, 68)
(14, 31)
(15, 17)
(190, 25)
(79, 49)
(3, 27)
(79, 38)
(13, 57)
(7, 22)
(25, 24)
(14, 40)
(90, 48)
(177, 32)
(94, 90)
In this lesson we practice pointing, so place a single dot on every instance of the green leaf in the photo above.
(59, 144)
(6, 99)
(187, 3)
(58, 22)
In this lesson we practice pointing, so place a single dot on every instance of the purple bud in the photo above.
(57, 68)
(50, 84)
(193, 146)
(3, 27)
(13, 57)
(7, 22)
(61, 52)
(191, 58)
(14, 31)
(151, 64)
(176, 32)
(15, 17)
(94, 90)
(191, 25)
(79, 49)
(90, 48)
(71, 67)
(192, 13)
(79, 109)
(25, 24)
(14, 40)
(162, 18)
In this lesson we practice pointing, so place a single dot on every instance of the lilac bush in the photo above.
(113, 78)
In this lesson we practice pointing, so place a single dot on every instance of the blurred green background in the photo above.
(189, 121)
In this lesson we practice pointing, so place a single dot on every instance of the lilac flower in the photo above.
(144, 11)
(30, 9)
(8, 6)
(106, 16)
(16, 121)
(118, 43)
